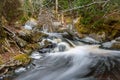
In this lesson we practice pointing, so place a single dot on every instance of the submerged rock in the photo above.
(63, 46)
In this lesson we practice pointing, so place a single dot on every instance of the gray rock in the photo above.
(112, 45)
(108, 44)
(101, 36)
(90, 40)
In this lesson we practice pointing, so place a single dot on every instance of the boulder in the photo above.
(31, 36)
(25, 35)
(114, 44)
(20, 42)
(89, 40)
(108, 44)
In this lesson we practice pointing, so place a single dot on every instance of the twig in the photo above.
(13, 34)
(8, 46)
(85, 6)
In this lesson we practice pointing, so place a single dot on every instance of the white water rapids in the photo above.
(86, 62)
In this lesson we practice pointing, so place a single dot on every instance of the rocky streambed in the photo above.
(35, 44)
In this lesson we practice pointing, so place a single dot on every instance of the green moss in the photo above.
(37, 36)
(23, 58)
(31, 47)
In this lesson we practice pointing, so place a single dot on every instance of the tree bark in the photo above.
(2, 33)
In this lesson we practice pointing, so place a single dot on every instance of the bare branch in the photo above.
(85, 6)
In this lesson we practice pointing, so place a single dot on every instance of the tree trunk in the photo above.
(2, 33)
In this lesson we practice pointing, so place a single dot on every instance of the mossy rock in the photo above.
(31, 47)
(22, 58)
(21, 42)
(116, 46)
(25, 35)
(110, 26)
(37, 36)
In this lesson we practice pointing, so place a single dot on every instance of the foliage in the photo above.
(11, 10)
(31, 8)
(92, 14)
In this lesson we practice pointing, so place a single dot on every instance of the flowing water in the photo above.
(81, 62)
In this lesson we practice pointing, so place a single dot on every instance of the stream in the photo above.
(71, 60)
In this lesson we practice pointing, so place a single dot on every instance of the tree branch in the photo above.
(79, 7)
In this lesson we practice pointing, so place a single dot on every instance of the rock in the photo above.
(37, 36)
(24, 32)
(100, 36)
(108, 44)
(112, 45)
(25, 35)
(31, 47)
(116, 45)
(118, 39)
(31, 36)
(20, 42)
(44, 50)
(62, 46)
(89, 40)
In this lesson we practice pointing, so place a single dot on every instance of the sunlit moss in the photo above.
(22, 58)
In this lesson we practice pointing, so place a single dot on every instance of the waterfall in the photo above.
(87, 62)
